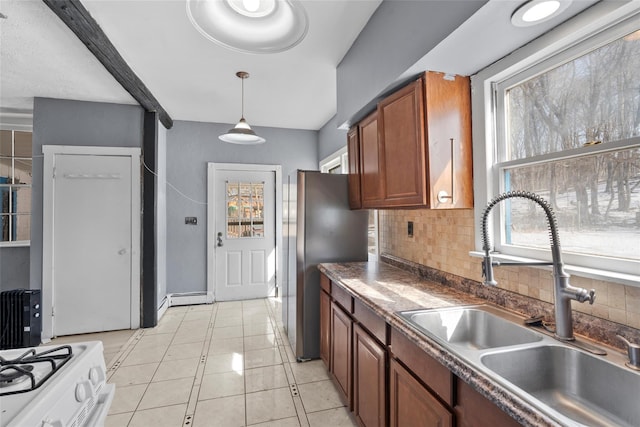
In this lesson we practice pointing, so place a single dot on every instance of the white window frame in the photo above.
(338, 158)
(596, 26)
(20, 243)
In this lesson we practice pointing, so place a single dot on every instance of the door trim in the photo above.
(212, 168)
(50, 152)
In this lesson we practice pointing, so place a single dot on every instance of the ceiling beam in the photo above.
(80, 21)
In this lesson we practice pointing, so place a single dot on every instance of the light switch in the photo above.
(410, 228)
(191, 220)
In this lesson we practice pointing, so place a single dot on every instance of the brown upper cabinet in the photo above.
(415, 149)
(353, 148)
(369, 160)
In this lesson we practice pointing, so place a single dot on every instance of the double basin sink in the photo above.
(569, 385)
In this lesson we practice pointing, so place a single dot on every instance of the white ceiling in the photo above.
(194, 79)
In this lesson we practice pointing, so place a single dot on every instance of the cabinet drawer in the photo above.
(371, 321)
(342, 297)
(474, 410)
(325, 283)
(427, 369)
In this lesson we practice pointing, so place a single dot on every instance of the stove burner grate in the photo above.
(10, 375)
(13, 371)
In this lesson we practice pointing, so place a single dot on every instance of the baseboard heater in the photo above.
(20, 318)
(189, 298)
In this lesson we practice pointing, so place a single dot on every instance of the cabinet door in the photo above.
(325, 325)
(448, 107)
(411, 404)
(369, 389)
(401, 127)
(353, 150)
(341, 359)
(370, 183)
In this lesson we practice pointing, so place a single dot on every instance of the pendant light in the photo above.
(242, 132)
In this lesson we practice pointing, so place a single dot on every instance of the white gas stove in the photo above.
(54, 386)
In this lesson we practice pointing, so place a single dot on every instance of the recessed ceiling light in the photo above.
(536, 11)
(250, 26)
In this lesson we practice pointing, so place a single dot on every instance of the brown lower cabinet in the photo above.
(474, 410)
(341, 359)
(325, 325)
(369, 379)
(386, 379)
(411, 404)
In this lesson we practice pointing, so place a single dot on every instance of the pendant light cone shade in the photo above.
(242, 133)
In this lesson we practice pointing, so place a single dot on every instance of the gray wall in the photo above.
(330, 138)
(398, 34)
(64, 122)
(14, 268)
(190, 146)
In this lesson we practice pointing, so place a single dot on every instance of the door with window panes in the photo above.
(245, 256)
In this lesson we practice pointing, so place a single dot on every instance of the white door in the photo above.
(92, 243)
(244, 234)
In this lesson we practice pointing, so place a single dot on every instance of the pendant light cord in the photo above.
(242, 97)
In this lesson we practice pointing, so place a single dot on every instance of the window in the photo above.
(245, 207)
(336, 163)
(568, 129)
(15, 186)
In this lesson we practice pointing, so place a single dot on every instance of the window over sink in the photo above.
(566, 126)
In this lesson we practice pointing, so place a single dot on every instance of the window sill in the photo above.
(21, 244)
(590, 273)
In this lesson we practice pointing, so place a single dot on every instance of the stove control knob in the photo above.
(96, 376)
(83, 391)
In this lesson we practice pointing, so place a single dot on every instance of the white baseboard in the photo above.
(163, 307)
(190, 298)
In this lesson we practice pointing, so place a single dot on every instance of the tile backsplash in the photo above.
(442, 239)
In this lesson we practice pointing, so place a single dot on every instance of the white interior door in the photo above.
(244, 234)
(92, 244)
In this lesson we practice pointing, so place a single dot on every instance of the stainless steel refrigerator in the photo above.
(318, 227)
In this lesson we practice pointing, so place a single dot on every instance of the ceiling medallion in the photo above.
(250, 26)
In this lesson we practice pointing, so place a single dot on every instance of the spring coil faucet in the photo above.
(563, 291)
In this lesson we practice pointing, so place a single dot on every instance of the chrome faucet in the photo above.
(563, 291)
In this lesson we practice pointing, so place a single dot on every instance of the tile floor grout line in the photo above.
(122, 354)
(192, 403)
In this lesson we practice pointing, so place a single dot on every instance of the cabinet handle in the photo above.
(443, 196)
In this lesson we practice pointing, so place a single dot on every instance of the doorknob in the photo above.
(122, 251)
(219, 238)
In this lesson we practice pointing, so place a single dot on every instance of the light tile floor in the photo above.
(226, 364)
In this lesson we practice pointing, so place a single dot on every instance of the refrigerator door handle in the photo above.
(219, 238)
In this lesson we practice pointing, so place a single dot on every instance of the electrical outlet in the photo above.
(191, 220)
(410, 228)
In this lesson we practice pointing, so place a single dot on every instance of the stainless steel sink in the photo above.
(571, 386)
(585, 388)
(472, 328)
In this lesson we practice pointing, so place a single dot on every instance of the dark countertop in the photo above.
(387, 289)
